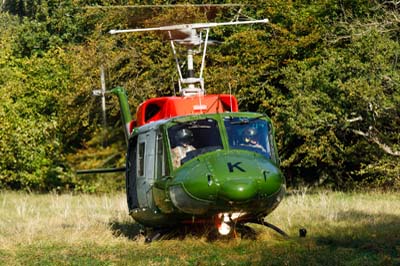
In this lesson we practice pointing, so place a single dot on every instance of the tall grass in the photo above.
(73, 219)
(343, 229)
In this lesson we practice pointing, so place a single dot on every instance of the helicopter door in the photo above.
(131, 175)
(145, 168)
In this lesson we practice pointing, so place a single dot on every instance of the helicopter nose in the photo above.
(227, 180)
(238, 190)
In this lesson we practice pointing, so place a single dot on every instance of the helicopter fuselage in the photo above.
(195, 158)
(222, 174)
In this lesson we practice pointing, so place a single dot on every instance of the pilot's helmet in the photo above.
(184, 135)
(250, 135)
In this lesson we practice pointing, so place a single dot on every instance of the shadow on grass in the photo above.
(377, 233)
(357, 238)
(129, 230)
(135, 231)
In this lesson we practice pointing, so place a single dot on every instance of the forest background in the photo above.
(327, 73)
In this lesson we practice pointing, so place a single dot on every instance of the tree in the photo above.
(326, 72)
(30, 141)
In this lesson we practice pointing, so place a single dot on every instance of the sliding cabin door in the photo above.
(145, 168)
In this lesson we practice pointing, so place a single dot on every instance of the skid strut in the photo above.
(273, 227)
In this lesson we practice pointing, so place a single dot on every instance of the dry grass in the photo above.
(73, 219)
(323, 212)
(343, 229)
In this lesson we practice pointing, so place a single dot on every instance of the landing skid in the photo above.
(246, 232)
(273, 227)
(160, 234)
(153, 236)
(211, 233)
(243, 230)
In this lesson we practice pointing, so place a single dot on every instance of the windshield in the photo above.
(193, 138)
(248, 134)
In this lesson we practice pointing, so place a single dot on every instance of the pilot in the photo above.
(250, 139)
(184, 138)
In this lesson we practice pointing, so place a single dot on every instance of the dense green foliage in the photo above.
(326, 72)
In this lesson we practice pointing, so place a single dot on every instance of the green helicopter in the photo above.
(194, 159)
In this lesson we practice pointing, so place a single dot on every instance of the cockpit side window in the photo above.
(248, 134)
(190, 139)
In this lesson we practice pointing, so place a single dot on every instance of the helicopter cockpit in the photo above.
(191, 139)
(251, 134)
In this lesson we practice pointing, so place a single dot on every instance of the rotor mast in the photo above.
(188, 35)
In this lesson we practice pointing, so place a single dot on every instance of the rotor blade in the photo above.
(162, 6)
(184, 27)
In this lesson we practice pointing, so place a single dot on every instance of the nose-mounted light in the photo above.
(223, 227)
(223, 222)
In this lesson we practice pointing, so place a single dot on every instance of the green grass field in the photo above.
(343, 229)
